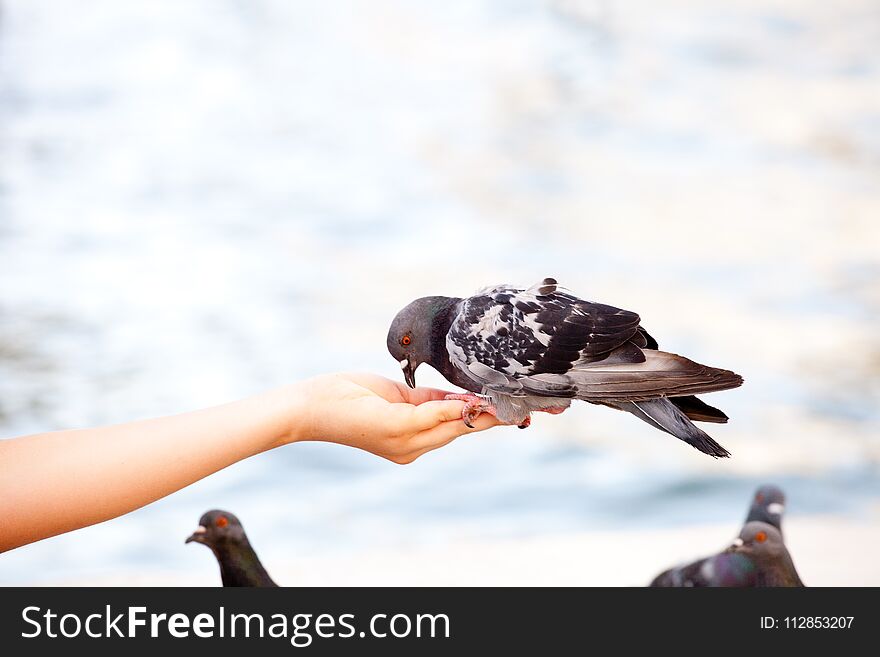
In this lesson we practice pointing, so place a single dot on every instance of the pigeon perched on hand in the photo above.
(768, 505)
(239, 564)
(758, 558)
(530, 350)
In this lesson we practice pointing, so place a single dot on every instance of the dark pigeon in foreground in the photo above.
(768, 505)
(530, 350)
(758, 558)
(239, 564)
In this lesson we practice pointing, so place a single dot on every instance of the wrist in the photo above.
(284, 410)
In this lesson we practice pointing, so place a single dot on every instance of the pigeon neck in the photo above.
(759, 513)
(240, 565)
(439, 357)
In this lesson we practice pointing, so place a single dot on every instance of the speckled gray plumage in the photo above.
(538, 348)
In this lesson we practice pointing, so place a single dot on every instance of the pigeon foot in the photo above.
(555, 410)
(477, 404)
(474, 406)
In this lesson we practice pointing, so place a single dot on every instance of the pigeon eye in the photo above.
(759, 497)
(761, 537)
(405, 340)
(221, 521)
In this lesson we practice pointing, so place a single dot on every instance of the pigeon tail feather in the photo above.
(664, 415)
(699, 411)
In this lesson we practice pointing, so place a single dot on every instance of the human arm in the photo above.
(56, 482)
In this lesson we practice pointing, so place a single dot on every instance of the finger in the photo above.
(421, 395)
(445, 433)
(432, 413)
(394, 391)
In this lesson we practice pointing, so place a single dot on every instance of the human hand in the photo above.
(380, 416)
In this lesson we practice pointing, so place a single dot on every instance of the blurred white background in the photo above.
(202, 200)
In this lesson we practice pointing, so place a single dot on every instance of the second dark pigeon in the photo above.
(239, 564)
(521, 351)
(768, 505)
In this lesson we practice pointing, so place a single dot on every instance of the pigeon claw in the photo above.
(473, 408)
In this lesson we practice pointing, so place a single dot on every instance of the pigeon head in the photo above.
(411, 336)
(768, 506)
(759, 540)
(239, 564)
(217, 528)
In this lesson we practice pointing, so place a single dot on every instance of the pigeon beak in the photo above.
(737, 543)
(409, 372)
(775, 508)
(197, 535)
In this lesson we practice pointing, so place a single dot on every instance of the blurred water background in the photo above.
(202, 200)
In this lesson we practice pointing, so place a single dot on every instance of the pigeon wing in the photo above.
(523, 342)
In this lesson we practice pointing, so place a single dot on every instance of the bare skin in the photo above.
(51, 483)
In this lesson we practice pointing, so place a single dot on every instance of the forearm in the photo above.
(56, 482)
